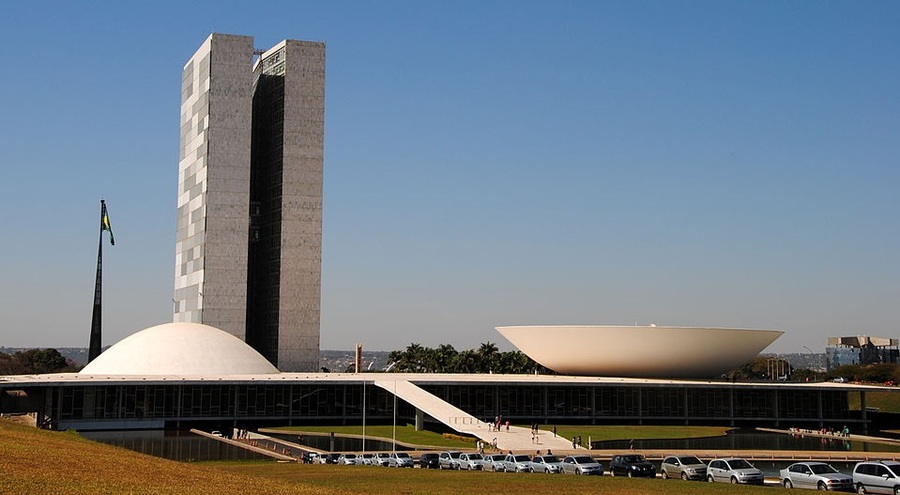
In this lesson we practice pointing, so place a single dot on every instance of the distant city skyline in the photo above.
(713, 164)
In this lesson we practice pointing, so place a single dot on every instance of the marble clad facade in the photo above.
(249, 222)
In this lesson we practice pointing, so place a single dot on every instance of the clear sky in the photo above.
(487, 163)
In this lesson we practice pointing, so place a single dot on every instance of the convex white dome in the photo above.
(180, 349)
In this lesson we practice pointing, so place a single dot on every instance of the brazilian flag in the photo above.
(104, 223)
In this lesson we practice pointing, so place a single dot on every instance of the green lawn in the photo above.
(621, 432)
(408, 434)
(884, 401)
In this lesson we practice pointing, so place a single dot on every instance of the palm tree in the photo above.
(487, 357)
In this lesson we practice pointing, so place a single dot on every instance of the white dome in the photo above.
(180, 349)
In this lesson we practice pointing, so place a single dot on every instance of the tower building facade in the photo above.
(249, 232)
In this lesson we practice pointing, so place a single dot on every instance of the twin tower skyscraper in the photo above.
(248, 247)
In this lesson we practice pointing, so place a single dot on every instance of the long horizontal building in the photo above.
(89, 402)
(181, 375)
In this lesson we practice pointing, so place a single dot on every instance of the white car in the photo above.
(347, 459)
(382, 459)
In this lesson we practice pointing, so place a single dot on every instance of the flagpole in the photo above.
(96, 316)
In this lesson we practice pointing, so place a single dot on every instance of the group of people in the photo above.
(498, 422)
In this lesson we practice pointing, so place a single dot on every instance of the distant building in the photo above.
(248, 245)
(861, 349)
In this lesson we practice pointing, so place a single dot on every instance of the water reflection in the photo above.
(174, 445)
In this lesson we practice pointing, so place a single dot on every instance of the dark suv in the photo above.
(429, 461)
(632, 465)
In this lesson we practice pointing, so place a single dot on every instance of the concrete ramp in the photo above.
(514, 438)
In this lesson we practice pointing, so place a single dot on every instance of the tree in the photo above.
(35, 361)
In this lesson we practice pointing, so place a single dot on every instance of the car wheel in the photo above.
(709, 478)
(733, 480)
(787, 484)
(861, 489)
(630, 474)
(612, 472)
(824, 488)
(897, 490)
(578, 471)
(664, 475)
(684, 476)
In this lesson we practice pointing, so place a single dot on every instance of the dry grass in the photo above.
(380, 480)
(42, 462)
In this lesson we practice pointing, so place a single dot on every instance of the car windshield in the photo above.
(551, 458)
(454, 455)
(690, 460)
(474, 457)
(739, 464)
(822, 469)
(402, 455)
(633, 458)
(521, 458)
(583, 459)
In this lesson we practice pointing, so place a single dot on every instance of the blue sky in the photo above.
(696, 163)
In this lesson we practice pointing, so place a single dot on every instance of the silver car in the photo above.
(815, 476)
(400, 459)
(449, 460)
(581, 464)
(686, 467)
(495, 462)
(546, 464)
(472, 461)
(733, 470)
(347, 459)
(382, 459)
(520, 463)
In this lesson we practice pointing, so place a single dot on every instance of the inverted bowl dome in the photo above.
(180, 349)
(639, 351)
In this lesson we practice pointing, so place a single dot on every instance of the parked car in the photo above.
(546, 464)
(331, 458)
(631, 465)
(733, 470)
(877, 477)
(449, 460)
(581, 464)
(517, 463)
(382, 459)
(429, 461)
(400, 459)
(366, 459)
(347, 459)
(496, 462)
(816, 476)
(687, 467)
(472, 461)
